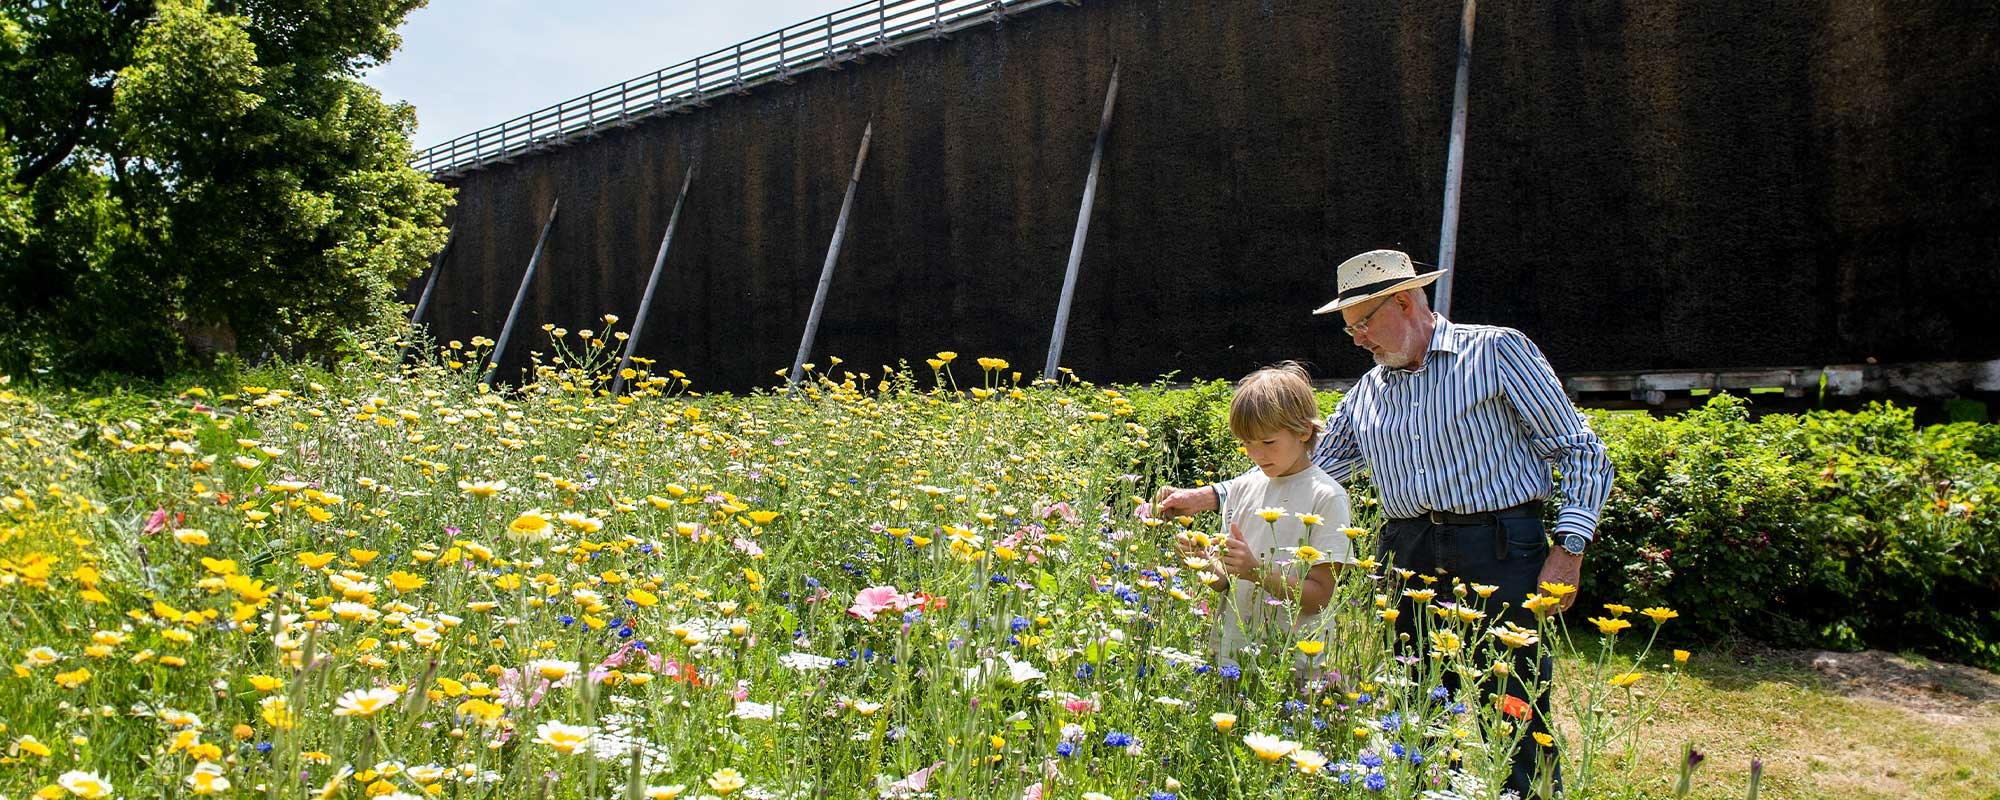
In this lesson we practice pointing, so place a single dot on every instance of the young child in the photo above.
(1261, 569)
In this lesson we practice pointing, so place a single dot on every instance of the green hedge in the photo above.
(1830, 529)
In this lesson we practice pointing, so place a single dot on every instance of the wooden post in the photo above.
(832, 255)
(1082, 231)
(424, 300)
(652, 283)
(507, 330)
(1454, 170)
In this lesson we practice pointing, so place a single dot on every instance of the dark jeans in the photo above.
(1505, 551)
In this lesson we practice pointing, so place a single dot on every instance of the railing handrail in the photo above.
(822, 42)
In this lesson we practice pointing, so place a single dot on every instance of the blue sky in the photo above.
(467, 64)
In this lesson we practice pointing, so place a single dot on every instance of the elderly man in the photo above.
(1459, 425)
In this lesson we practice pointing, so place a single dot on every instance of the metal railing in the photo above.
(824, 42)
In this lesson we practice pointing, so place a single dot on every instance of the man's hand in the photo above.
(1170, 500)
(1562, 567)
(1237, 559)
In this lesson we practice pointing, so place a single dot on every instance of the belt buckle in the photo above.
(1436, 517)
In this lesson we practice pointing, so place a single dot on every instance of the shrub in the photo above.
(1829, 529)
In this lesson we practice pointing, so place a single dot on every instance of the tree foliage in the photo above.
(180, 177)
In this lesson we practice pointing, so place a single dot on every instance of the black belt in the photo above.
(1532, 508)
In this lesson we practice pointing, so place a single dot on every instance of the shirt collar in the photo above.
(1444, 339)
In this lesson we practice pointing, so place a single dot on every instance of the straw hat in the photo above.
(1376, 273)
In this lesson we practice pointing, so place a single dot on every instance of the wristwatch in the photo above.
(1575, 543)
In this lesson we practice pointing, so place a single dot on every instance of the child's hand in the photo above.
(1171, 500)
(1237, 559)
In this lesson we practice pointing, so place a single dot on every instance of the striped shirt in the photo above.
(1473, 429)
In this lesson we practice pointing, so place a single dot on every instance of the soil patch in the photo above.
(1935, 689)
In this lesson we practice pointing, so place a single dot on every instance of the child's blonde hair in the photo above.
(1275, 398)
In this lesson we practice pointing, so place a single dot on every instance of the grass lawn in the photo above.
(1846, 725)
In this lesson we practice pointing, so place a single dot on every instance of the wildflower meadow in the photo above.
(386, 580)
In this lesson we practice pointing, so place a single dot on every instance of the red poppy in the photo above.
(1517, 708)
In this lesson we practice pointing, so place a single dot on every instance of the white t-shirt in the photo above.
(1249, 614)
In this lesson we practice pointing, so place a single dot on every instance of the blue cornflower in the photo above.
(1396, 749)
(1416, 758)
(812, 582)
(1084, 670)
(1439, 693)
(625, 632)
(1375, 782)
(1231, 671)
(1364, 699)
(1161, 796)
(1457, 708)
(1392, 722)
(1370, 760)
(1020, 624)
(566, 620)
(1066, 749)
(263, 747)
(1116, 739)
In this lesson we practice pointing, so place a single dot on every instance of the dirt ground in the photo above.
(1941, 692)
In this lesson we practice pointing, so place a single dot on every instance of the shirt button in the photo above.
(1416, 438)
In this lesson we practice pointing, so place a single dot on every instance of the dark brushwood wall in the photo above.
(1649, 185)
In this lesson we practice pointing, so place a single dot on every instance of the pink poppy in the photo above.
(877, 599)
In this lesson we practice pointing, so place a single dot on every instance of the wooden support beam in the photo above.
(652, 284)
(520, 295)
(832, 255)
(1082, 231)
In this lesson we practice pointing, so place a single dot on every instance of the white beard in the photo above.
(1393, 359)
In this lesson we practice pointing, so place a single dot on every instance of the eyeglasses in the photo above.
(1361, 327)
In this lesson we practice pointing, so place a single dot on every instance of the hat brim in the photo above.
(1344, 302)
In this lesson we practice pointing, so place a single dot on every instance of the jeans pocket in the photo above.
(1526, 538)
(1394, 543)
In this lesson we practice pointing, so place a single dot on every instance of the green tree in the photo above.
(181, 176)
